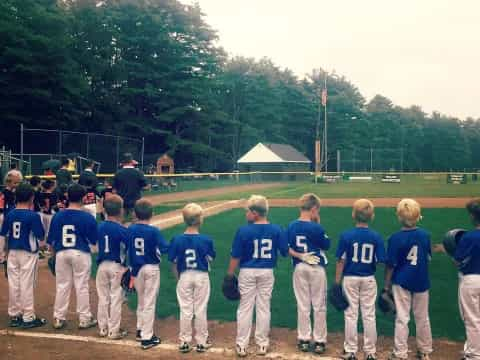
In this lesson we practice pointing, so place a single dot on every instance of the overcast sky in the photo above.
(423, 52)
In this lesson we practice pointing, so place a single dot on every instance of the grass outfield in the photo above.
(443, 303)
(358, 190)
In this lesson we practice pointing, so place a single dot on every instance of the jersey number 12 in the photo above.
(262, 249)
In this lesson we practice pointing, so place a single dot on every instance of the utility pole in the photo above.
(325, 128)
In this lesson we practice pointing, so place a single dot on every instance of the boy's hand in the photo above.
(310, 258)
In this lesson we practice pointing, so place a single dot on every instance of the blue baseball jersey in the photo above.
(72, 229)
(409, 253)
(146, 246)
(467, 252)
(308, 236)
(23, 229)
(361, 249)
(112, 242)
(191, 252)
(257, 245)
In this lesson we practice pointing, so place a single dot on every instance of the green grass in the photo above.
(357, 190)
(196, 184)
(444, 314)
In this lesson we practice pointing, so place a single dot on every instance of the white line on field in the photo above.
(180, 217)
(135, 344)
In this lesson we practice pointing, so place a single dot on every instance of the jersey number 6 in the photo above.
(69, 238)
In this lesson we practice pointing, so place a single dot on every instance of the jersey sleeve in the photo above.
(321, 238)
(162, 244)
(341, 247)
(172, 251)
(92, 231)
(283, 242)
(54, 231)
(464, 248)
(37, 227)
(380, 250)
(237, 245)
(5, 226)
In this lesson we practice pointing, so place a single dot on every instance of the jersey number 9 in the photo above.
(139, 246)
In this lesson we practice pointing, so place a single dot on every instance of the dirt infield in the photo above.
(222, 334)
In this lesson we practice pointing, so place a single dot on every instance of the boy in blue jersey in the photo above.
(145, 248)
(24, 233)
(254, 250)
(467, 256)
(306, 236)
(191, 253)
(359, 250)
(112, 244)
(408, 257)
(72, 232)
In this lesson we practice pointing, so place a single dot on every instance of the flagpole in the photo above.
(325, 133)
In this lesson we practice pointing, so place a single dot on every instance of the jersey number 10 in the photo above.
(366, 253)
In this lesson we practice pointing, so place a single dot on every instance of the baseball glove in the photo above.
(126, 282)
(386, 302)
(451, 240)
(51, 264)
(337, 298)
(230, 287)
(310, 258)
(5, 268)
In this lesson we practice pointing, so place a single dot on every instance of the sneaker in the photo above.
(303, 345)
(138, 336)
(87, 324)
(102, 332)
(118, 336)
(422, 356)
(185, 348)
(262, 350)
(348, 356)
(319, 348)
(208, 344)
(241, 351)
(15, 321)
(201, 348)
(147, 344)
(37, 322)
(59, 324)
(392, 356)
(371, 357)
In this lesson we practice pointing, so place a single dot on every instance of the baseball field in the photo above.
(442, 210)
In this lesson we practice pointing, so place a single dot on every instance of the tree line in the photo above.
(153, 69)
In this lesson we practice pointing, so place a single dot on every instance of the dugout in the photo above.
(165, 165)
(278, 158)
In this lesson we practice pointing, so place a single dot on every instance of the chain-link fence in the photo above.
(39, 145)
(366, 160)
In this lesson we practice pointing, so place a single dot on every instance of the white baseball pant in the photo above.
(360, 291)
(46, 220)
(310, 286)
(147, 284)
(3, 242)
(255, 286)
(22, 277)
(469, 301)
(405, 301)
(110, 296)
(193, 293)
(72, 267)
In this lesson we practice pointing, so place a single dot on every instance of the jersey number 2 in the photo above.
(190, 259)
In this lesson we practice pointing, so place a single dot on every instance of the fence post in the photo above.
(143, 151)
(21, 141)
(338, 161)
(371, 160)
(118, 151)
(60, 142)
(88, 146)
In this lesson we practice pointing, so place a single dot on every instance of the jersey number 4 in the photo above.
(413, 255)
(262, 249)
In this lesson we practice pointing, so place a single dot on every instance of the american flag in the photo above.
(324, 97)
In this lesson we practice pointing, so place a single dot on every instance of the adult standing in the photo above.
(129, 182)
(63, 175)
(89, 180)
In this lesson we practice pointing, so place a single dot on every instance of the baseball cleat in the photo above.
(102, 332)
(262, 350)
(37, 322)
(241, 351)
(348, 356)
(59, 324)
(201, 348)
(87, 324)
(147, 344)
(118, 336)
(15, 321)
(303, 345)
(319, 348)
(208, 344)
(371, 357)
(185, 348)
(138, 336)
(422, 356)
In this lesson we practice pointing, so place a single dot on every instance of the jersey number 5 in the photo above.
(262, 249)
(69, 239)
